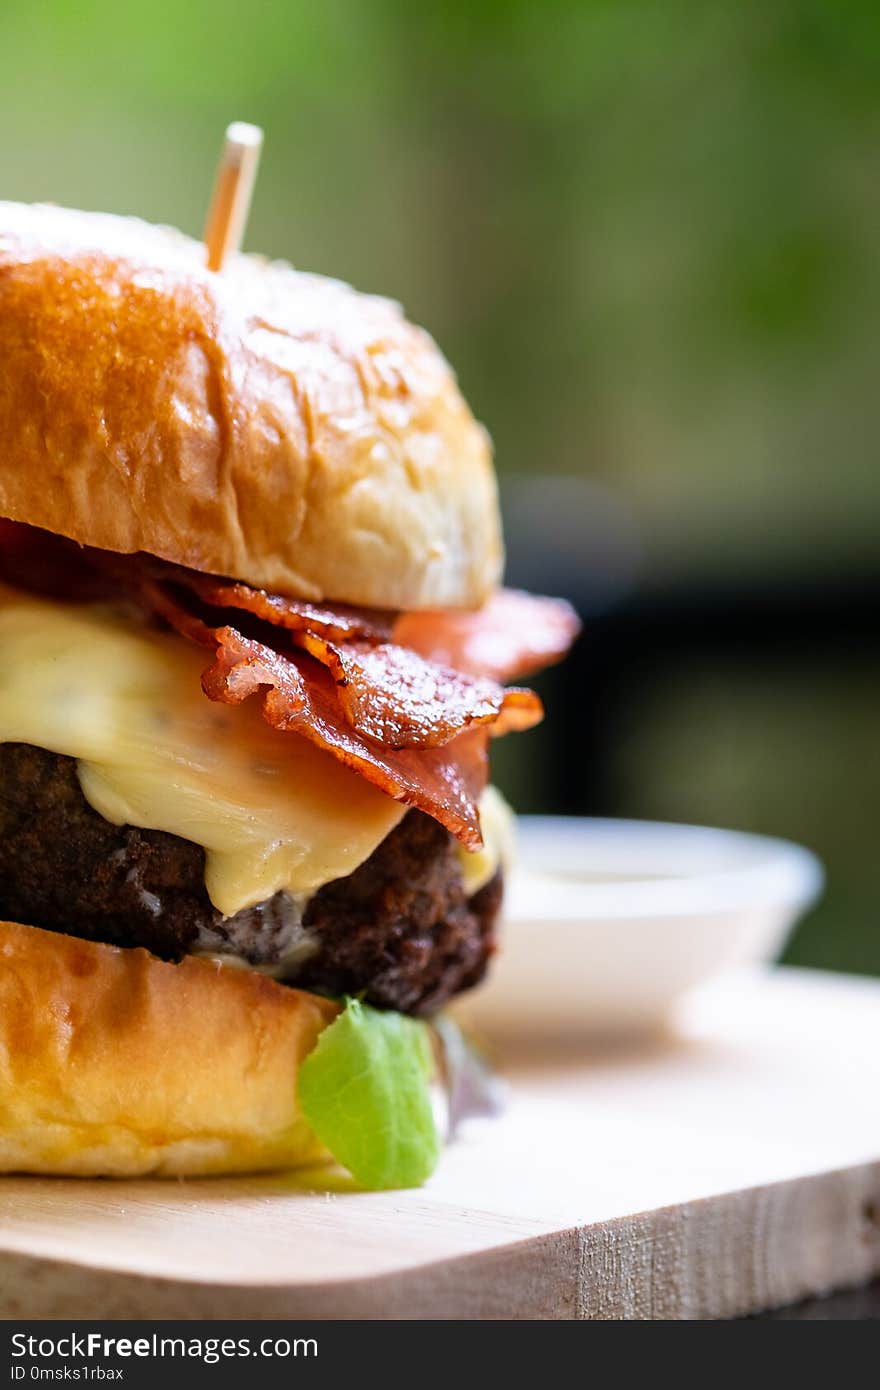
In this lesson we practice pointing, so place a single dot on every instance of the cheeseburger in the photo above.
(254, 651)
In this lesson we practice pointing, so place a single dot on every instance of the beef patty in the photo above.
(399, 931)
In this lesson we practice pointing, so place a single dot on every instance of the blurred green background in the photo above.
(647, 236)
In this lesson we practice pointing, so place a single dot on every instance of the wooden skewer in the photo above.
(233, 186)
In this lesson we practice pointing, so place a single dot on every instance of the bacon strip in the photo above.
(299, 695)
(396, 697)
(386, 691)
(513, 635)
(340, 621)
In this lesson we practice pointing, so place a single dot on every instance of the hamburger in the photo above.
(254, 650)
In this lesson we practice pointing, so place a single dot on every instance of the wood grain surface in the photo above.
(729, 1166)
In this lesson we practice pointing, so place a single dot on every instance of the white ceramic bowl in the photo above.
(609, 922)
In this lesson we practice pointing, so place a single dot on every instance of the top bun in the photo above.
(259, 422)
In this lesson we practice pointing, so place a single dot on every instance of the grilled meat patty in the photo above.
(399, 930)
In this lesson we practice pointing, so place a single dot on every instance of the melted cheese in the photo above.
(271, 810)
(498, 825)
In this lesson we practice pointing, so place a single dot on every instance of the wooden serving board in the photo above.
(731, 1166)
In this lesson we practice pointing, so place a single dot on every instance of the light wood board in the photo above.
(732, 1166)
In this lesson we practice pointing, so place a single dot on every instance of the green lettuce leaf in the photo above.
(364, 1090)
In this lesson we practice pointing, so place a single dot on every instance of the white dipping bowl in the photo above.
(608, 922)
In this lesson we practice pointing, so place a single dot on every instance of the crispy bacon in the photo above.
(299, 695)
(403, 701)
(513, 635)
(341, 622)
(385, 690)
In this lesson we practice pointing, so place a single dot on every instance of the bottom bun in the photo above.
(114, 1063)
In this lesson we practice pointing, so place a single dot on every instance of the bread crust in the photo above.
(262, 423)
(114, 1063)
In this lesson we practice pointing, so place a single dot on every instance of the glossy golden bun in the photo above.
(114, 1063)
(262, 423)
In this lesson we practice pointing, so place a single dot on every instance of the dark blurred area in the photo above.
(647, 236)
